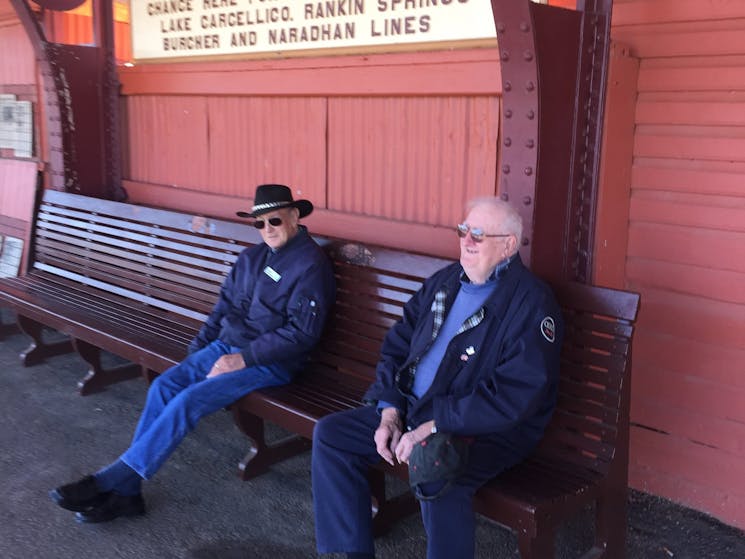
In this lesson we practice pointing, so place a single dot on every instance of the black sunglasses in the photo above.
(273, 221)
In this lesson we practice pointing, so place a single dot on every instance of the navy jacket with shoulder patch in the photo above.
(497, 380)
(272, 321)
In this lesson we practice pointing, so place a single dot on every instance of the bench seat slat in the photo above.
(123, 292)
(127, 341)
(73, 293)
(120, 314)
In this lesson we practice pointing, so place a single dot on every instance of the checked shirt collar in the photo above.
(438, 310)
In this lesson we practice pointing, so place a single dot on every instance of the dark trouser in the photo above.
(344, 450)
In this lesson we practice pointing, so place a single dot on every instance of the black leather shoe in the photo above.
(113, 507)
(79, 496)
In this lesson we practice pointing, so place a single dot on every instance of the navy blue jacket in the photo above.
(497, 380)
(273, 322)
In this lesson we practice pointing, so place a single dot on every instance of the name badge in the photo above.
(272, 273)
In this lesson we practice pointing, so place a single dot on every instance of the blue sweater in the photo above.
(470, 298)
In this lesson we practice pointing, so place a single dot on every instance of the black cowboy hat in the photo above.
(271, 197)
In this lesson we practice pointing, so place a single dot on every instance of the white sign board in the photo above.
(16, 125)
(11, 251)
(163, 29)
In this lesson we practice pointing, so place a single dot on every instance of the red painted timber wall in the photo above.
(686, 251)
(388, 147)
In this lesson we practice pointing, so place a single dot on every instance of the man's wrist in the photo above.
(390, 414)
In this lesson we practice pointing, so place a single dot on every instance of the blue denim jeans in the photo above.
(183, 395)
(343, 451)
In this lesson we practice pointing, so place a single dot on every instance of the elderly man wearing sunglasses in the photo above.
(475, 356)
(269, 315)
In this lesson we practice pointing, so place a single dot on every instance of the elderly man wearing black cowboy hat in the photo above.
(270, 314)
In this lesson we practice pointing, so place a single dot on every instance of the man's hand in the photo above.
(388, 434)
(408, 440)
(227, 364)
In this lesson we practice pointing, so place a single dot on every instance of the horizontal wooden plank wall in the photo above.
(686, 251)
(388, 147)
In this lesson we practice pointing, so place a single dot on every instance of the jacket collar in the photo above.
(498, 272)
(302, 231)
(507, 274)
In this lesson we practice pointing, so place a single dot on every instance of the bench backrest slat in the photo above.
(373, 285)
(169, 260)
(593, 403)
(54, 217)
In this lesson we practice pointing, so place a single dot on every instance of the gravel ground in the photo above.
(197, 508)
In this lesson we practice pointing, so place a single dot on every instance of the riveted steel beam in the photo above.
(110, 126)
(80, 88)
(591, 85)
(517, 169)
(553, 68)
(56, 109)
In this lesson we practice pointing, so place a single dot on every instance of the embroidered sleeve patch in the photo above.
(548, 329)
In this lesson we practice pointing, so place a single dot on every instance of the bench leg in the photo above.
(149, 375)
(388, 511)
(539, 547)
(6, 329)
(262, 455)
(610, 524)
(98, 378)
(38, 350)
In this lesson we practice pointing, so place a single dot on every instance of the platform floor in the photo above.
(197, 506)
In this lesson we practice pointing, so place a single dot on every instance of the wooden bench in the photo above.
(583, 458)
(138, 282)
(132, 280)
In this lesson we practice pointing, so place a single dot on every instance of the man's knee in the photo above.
(159, 385)
(326, 429)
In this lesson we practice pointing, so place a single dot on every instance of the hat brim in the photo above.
(305, 207)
